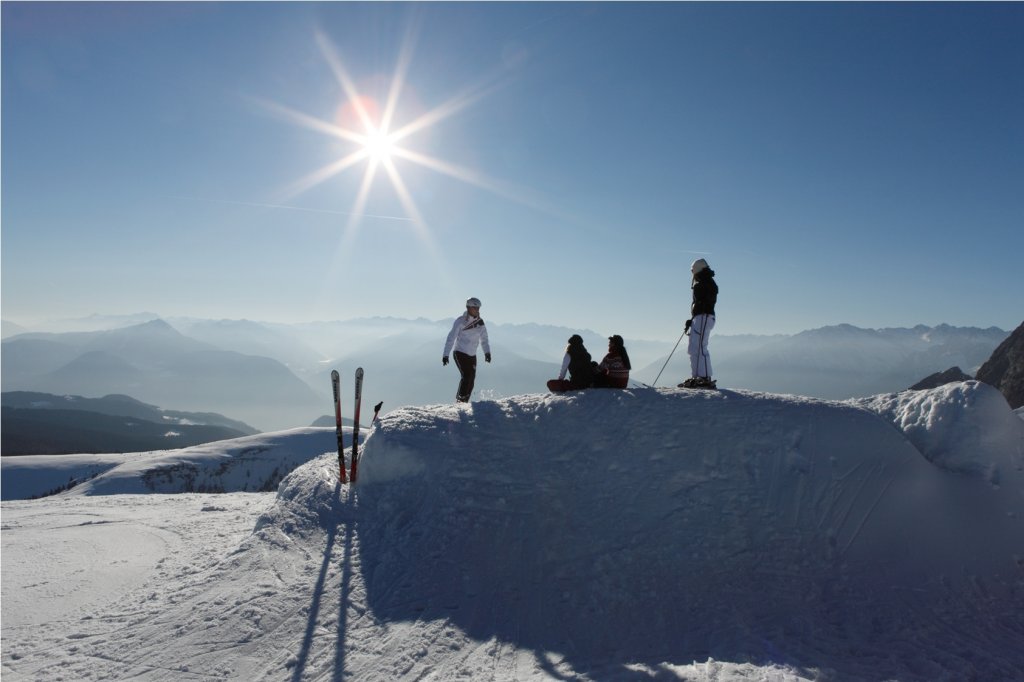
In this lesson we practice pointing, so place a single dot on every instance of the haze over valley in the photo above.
(271, 376)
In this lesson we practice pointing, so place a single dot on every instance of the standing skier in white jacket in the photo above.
(467, 333)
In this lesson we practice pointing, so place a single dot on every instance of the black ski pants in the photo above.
(467, 368)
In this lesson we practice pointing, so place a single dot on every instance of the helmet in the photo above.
(473, 303)
(698, 265)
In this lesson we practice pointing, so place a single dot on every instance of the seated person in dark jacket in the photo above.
(579, 366)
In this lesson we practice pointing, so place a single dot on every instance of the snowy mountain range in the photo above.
(846, 361)
(277, 376)
(597, 535)
(155, 363)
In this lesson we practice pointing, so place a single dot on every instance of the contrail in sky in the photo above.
(298, 208)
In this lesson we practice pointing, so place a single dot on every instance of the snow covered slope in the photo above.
(249, 464)
(603, 535)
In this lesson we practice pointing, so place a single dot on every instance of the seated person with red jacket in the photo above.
(613, 372)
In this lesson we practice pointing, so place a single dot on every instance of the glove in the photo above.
(444, 361)
(487, 357)
(686, 329)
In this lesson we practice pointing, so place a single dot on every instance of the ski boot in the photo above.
(699, 382)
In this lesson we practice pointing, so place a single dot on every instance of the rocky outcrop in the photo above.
(950, 376)
(1005, 369)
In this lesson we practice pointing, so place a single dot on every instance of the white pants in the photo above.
(700, 359)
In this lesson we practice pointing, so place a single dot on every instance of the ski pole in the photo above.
(655, 383)
(376, 411)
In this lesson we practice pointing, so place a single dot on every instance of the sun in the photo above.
(379, 146)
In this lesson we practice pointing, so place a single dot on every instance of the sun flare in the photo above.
(369, 125)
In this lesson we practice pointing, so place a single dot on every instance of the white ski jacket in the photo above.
(466, 335)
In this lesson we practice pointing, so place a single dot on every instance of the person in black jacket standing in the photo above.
(700, 324)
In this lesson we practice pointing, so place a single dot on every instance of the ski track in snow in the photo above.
(604, 535)
(74, 602)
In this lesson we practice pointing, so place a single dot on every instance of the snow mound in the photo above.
(614, 534)
(308, 501)
(965, 427)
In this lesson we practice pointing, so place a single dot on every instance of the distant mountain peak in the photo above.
(951, 375)
(153, 332)
(158, 325)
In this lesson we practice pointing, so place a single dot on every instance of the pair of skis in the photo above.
(336, 385)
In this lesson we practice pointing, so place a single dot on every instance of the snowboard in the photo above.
(560, 386)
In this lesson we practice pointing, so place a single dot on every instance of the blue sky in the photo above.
(848, 162)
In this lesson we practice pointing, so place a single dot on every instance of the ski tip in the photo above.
(335, 375)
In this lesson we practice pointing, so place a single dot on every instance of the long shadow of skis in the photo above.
(319, 593)
(314, 609)
(343, 602)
